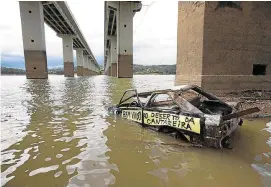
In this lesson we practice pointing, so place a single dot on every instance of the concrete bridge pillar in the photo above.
(224, 45)
(67, 43)
(32, 21)
(96, 69)
(79, 61)
(85, 68)
(90, 66)
(109, 63)
(114, 57)
(109, 71)
(93, 72)
(125, 39)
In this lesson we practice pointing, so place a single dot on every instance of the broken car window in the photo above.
(163, 102)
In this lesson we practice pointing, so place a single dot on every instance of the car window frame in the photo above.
(133, 95)
(147, 104)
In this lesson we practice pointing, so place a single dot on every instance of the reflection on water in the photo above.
(57, 132)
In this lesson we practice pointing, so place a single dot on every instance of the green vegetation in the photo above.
(155, 69)
(15, 71)
(12, 71)
(138, 69)
(57, 71)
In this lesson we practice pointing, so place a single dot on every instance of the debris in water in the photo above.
(187, 112)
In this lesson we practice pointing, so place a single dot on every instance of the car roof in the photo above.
(174, 89)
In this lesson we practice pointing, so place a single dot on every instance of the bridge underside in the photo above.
(224, 45)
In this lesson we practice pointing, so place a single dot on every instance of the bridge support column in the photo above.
(79, 61)
(85, 65)
(96, 69)
(109, 71)
(125, 39)
(67, 43)
(93, 68)
(114, 57)
(109, 61)
(114, 68)
(90, 67)
(32, 21)
(224, 45)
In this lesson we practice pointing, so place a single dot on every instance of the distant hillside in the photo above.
(15, 71)
(155, 69)
(58, 71)
(138, 69)
(12, 71)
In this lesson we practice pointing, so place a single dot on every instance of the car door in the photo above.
(131, 107)
(158, 110)
(162, 110)
(133, 114)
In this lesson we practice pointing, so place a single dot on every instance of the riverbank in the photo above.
(249, 99)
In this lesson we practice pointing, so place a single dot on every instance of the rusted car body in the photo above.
(188, 112)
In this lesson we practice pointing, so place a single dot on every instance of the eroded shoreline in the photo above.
(249, 99)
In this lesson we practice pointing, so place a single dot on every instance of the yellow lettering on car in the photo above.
(134, 115)
(178, 121)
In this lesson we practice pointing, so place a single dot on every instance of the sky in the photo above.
(155, 33)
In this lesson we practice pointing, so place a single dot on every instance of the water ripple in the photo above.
(58, 131)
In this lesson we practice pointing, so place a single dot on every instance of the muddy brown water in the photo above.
(57, 132)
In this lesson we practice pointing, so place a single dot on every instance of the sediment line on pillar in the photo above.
(85, 71)
(114, 69)
(36, 64)
(68, 69)
(80, 71)
(125, 66)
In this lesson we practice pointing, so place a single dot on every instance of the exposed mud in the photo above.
(251, 98)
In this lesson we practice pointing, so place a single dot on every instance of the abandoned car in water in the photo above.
(188, 112)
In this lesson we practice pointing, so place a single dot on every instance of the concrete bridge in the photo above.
(118, 37)
(57, 15)
(220, 45)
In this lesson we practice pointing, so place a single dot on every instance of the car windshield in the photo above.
(128, 97)
(162, 100)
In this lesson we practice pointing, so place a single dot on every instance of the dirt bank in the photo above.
(256, 98)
